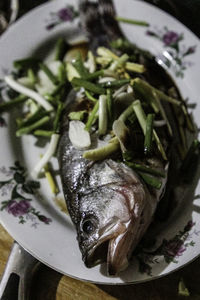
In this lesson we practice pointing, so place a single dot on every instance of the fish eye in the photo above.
(88, 226)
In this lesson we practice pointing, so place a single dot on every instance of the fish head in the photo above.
(113, 217)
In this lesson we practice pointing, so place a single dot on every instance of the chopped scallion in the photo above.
(50, 179)
(149, 134)
(103, 116)
(102, 152)
(90, 97)
(49, 73)
(60, 49)
(43, 133)
(150, 180)
(47, 156)
(28, 92)
(56, 122)
(92, 116)
(95, 88)
(133, 22)
(145, 169)
(5, 106)
(28, 129)
(115, 83)
(77, 115)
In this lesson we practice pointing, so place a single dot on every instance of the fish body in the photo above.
(109, 203)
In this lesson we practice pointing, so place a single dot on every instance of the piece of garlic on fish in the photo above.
(79, 137)
(121, 132)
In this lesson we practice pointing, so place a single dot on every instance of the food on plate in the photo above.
(119, 139)
(119, 127)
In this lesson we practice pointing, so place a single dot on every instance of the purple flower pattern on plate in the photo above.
(19, 190)
(18, 208)
(66, 14)
(170, 250)
(175, 55)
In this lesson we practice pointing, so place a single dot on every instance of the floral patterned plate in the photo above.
(31, 214)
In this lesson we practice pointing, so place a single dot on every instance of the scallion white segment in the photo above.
(47, 156)
(79, 137)
(44, 84)
(121, 132)
(28, 92)
(103, 115)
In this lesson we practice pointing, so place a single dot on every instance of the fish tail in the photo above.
(108, 17)
(92, 23)
(98, 19)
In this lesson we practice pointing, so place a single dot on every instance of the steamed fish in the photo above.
(136, 124)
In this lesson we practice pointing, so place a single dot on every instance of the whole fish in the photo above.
(109, 203)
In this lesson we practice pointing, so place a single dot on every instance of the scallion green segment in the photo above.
(131, 21)
(26, 63)
(49, 74)
(94, 75)
(90, 97)
(159, 145)
(56, 122)
(103, 152)
(32, 76)
(77, 115)
(47, 156)
(137, 82)
(120, 62)
(140, 114)
(57, 89)
(115, 83)
(62, 76)
(164, 116)
(37, 115)
(5, 106)
(79, 66)
(50, 179)
(150, 180)
(147, 93)
(138, 68)
(109, 105)
(87, 85)
(28, 129)
(126, 113)
(43, 133)
(148, 140)
(145, 169)
(103, 115)
(189, 122)
(92, 117)
(60, 49)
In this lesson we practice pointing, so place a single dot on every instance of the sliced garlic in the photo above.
(79, 137)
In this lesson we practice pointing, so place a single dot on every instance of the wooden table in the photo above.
(50, 285)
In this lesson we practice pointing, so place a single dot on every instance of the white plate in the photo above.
(55, 243)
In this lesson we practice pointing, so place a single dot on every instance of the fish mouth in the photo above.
(112, 247)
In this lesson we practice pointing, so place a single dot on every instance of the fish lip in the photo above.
(110, 234)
